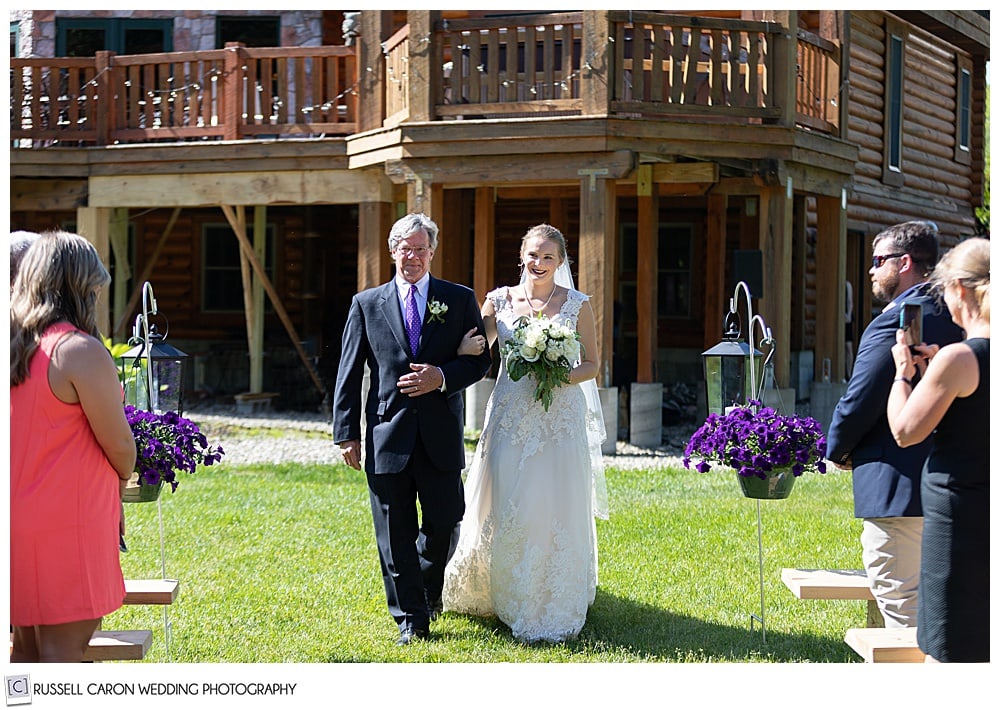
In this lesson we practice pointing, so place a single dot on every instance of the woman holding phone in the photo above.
(952, 399)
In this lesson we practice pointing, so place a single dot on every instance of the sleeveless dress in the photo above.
(527, 551)
(64, 506)
(953, 615)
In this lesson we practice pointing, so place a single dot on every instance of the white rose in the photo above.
(528, 353)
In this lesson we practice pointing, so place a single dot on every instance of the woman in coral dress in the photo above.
(71, 452)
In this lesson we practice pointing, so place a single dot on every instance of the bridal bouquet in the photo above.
(543, 349)
(167, 443)
(756, 441)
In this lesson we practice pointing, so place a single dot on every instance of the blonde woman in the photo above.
(952, 399)
(71, 453)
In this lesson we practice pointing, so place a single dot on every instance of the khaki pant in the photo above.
(891, 555)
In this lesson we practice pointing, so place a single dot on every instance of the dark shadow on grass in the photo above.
(653, 634)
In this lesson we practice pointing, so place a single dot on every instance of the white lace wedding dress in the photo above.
(527, 551)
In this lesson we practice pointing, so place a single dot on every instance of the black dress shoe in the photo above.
(435, 609)
(408, 633)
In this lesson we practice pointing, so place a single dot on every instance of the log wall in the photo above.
(934, 185)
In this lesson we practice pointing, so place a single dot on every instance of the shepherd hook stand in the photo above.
(141, 334)
(755, 394)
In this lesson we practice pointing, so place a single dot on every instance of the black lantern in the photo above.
(734, 367)
(152, 371)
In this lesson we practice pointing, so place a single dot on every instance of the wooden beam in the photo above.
(258, 268)
(374, 262)
(257, 294)
(118, 234)
(775, 214)
(647, 275)
(94, 223)
(483, 269)
(520, 169)
(295, 187)
(685, 172)
(598, 246)
(47, 195)
(147, 270)
(250, 312)
(831, 252)
(716, 304)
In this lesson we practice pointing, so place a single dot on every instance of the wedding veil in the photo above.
(596, 433)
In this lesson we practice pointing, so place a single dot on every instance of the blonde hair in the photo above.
(57, 281)
(967, 264)
(548, 233)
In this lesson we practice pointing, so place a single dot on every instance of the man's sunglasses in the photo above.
(877, 261)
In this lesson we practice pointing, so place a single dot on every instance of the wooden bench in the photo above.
(885, 645)
(114, 645)
(119, 645)
(833, 584)
(151, 591)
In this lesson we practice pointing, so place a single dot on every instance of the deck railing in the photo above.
(225, 94)
(615, 63)
(680, 65)
(817, 103)
(509, 67)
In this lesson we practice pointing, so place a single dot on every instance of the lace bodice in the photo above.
(514, 405)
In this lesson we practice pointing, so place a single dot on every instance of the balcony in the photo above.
(619, 64)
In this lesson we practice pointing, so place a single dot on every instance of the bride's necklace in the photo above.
(532, 298)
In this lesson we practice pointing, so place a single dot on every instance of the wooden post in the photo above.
(484, 277)
(105, 117)
(598, 67)
(249, 305)
(247, 249)
(786, 65)
(424, 72)
(257, 340)
(831, 252)
(232, 92)
(94, 223)
(371, 70)
(147, 271)
(647, 274)
(598, 245)
(776, 243)
(716, 301)
(118, 233)
(374, 262)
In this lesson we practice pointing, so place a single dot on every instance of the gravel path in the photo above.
(304, 437)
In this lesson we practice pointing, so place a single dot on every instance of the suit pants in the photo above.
(891, 555)
(413, 553)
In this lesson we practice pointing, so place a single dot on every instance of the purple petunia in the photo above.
(756, 440)
(167, 443)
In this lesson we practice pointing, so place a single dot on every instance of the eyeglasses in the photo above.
(880, 259)
(419, 252)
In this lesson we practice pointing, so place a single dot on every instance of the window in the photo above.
(892, 167)
(674, 286)
(87, 37)
(963, 112)
(15, 38)
(257, 31)
(221, 277)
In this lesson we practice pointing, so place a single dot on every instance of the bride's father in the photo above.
(408, 332)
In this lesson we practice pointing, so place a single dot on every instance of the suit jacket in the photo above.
(375, 334)
(886, 478)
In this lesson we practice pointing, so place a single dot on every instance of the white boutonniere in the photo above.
(437, 310)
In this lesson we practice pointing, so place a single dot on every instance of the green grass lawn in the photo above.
(278, 564)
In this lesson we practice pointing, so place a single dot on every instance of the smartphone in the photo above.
(911, 320)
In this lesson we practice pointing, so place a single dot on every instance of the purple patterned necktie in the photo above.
(413, 320)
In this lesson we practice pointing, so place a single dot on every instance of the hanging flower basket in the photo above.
(140, 492)
(775, 486)
(766, 449)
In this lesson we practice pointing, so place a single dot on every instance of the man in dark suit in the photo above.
(408, 332)
(886, 478)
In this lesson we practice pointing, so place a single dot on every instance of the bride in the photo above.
(527, 551)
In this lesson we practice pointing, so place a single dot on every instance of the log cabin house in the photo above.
(249, 165)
